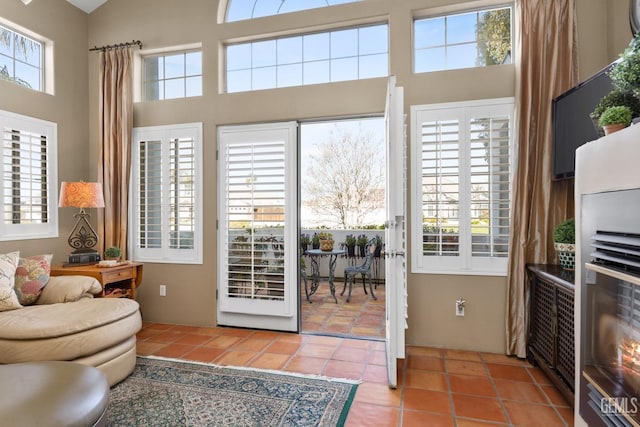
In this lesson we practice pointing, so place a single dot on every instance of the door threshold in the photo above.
(337, 335)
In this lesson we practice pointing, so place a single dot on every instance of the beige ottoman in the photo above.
(51, 394)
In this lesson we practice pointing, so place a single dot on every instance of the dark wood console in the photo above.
(550, 337)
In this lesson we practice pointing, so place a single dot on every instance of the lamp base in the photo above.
(84, 258)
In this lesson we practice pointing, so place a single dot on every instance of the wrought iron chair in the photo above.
(364, 270)
(303, 275)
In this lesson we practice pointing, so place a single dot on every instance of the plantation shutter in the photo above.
(463, 167)
(167, 198)
(490, 196)
(29, 180)
(182, 200)
(150, 195)
(255, 177)
(441, 187)
(25, 178)
(257, 235)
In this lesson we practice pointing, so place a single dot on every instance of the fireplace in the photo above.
(610, 315)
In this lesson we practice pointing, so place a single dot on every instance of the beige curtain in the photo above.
(546, 67)
(116, 121)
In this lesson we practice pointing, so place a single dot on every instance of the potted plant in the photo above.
(350, 243)
(304, 242)
(612, 99)
(326, 241)
(564, 242)
(361, 241)
(615, 118)
(625, 75)
(112, 253)
(315, 241)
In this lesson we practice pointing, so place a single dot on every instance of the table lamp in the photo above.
(83, 237)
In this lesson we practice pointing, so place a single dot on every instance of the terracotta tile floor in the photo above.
(362, 316)
(436, 387)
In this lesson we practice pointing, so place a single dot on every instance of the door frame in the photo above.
(332, 119)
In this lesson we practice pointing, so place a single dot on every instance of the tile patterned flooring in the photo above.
(362, 316)
(437, 387)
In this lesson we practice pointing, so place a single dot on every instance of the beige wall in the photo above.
(159, 24)
(597, 48)
(192, 301)
(66, 26)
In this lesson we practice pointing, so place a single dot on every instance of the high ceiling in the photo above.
(87, 5)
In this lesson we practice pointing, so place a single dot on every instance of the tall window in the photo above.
(167, 201)
(473, 39)
(348, 54)
(175, 75)
(21, 59)
(462, 164)
(238, 10)
(29, 179)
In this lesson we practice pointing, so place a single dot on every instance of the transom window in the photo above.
(332, 56)
(28, 166)
(462, 157)
(473, 39)
(174, 75)
(21, 59)
(238, 10)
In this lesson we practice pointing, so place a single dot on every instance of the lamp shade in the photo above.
(81, 195)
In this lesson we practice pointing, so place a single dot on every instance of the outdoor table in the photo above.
(314, 254)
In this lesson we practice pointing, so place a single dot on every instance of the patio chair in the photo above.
(364, 270)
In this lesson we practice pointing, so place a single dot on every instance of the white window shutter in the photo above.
(462, 167)
(166, 194)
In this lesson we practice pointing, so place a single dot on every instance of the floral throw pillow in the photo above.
(32, 275)
(8, 266)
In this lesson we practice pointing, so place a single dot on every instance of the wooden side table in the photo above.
(117, 282)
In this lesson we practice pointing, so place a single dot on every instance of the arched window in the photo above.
(237, 10)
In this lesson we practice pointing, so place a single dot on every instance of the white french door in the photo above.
(257, 226)
(395, 230)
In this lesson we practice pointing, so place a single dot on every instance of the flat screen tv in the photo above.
(572, 123)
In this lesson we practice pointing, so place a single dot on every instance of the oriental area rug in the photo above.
(164, 392)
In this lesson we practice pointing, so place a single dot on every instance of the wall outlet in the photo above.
(460, 307)
(163, 291)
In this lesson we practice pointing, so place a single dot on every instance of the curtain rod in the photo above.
(115, 46)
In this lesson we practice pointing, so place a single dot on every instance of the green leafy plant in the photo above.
(618, 114)
(362, 240)
(305, 239)
(614, 98)
(112, 252)
(325, 235)
(350, 240)
(565, 232)
(625, 75)
(494, 36)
